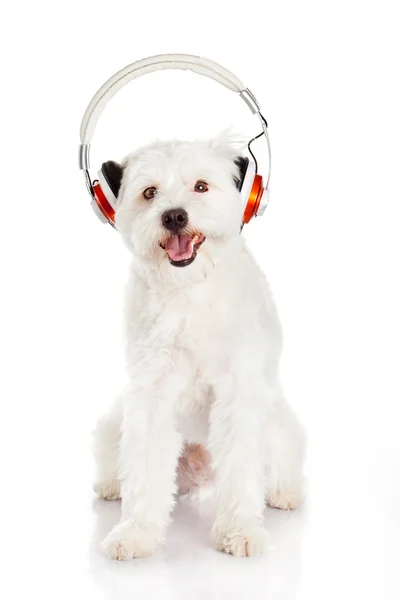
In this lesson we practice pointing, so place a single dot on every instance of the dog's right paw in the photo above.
(108, 489)
(127, 540)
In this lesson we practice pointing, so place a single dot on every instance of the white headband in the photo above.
(203, 66)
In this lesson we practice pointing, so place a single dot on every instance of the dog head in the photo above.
(178, 205)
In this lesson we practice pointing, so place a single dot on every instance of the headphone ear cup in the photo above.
(248, 186)
(254, 198)
(106, 190)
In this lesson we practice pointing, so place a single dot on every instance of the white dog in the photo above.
(203, 347)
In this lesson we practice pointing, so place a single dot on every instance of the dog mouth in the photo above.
(181, 248)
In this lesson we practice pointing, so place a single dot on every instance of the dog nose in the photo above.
(175, 219)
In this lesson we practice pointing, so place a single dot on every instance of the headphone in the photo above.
(104, 190)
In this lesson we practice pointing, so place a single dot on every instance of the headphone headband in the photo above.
(202, 66)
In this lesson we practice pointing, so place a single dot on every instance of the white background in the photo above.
(327, 77)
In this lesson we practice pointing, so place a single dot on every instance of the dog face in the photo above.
(179, 205)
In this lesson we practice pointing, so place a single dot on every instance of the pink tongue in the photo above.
(179, 247)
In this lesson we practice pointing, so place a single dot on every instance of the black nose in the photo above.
(175, 219)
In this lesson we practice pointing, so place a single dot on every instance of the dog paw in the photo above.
(127, 540)
(241, 541)
(108, 489)
(284, 499)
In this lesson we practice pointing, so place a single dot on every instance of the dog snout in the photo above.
(175, 219)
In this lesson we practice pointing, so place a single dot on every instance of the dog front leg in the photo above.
(235, 446)
(150, 446)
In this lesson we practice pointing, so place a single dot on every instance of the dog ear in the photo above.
(242, 163)
(112, 172)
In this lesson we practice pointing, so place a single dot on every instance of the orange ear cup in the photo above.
(103, 203)
(254, 200)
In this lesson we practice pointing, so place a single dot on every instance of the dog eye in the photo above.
(201, 187)
(150, 192)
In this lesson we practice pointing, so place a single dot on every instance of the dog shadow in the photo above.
(189, 566)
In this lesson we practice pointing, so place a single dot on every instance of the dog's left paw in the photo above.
(127, 540)
(285, 499)
(248, 541)
(108, 489)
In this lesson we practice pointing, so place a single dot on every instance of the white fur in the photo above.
(203, 348)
